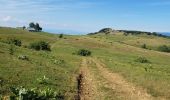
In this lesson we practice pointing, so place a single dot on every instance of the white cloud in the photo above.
(38, 6)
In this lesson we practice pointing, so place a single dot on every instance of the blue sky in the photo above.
(87, 15)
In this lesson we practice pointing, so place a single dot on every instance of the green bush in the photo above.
(144, 46)
(142, 60)
(40, 45)
(35, 94)
(61, 36)
(14, 41)
(84, 52)
(164, 48)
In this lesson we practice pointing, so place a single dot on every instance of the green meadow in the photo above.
(60, 66)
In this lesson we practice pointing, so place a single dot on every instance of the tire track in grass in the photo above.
(90, 87)
(122, 88)
(87, 89)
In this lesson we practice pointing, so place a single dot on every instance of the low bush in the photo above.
(164, 48)
(14, 41)
(142, 60)
(144, 46)
(25, 46)
(40, 45)
(35, 94)
(84, 52)
(61, 36)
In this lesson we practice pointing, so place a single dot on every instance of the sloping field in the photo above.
(112, 72)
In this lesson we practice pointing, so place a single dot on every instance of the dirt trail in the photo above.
(125, 89)
(96, 82)
(87, 89)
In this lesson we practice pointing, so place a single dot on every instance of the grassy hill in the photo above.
(61, 66)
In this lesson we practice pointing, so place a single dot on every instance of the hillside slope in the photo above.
(113, 54)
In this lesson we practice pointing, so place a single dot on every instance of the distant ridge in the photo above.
(165, 33)
(130, 32)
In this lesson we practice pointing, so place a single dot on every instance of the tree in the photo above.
(32, 25)
(37, 27)
(24, 27)
(40, 28)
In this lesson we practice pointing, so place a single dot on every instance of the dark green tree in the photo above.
(40, 28)
(24, 27)
(37, 27)
(32, 25)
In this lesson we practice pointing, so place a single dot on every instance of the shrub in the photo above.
(164, 48)
(144, 46)
(25, 46)
(61, 36)
(83, 52)
(142, 60)
(14, 41)
(40, 45)
(35, 94)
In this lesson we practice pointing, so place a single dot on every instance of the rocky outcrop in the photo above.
(105, 31)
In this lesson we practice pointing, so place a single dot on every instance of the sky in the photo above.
(83, 16)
